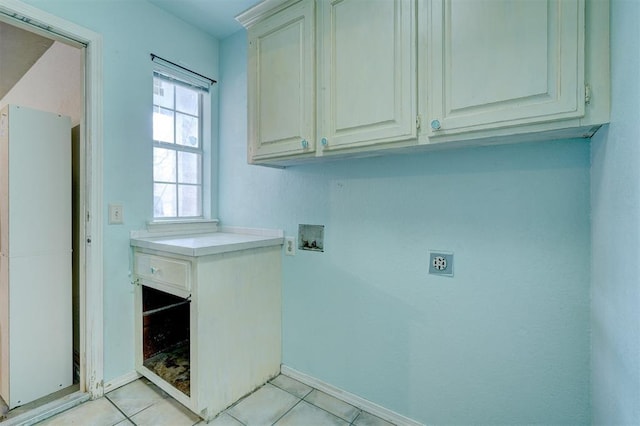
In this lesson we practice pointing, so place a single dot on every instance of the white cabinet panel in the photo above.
(367, 83)
(35, 252)
(39, 181)
(40, 329)
(281, 78)
(500, 63)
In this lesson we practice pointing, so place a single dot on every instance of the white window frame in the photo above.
(168, 74)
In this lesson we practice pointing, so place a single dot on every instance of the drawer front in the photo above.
(172, 272)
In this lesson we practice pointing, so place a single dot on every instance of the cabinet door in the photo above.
(367, 80)
(281, 82)
(499, 63)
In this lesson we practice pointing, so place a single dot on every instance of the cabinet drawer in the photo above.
(171, 272)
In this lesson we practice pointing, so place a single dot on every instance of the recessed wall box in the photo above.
(311, 237)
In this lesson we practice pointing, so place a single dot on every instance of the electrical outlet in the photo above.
(115, 214)
(441, 263)
(290, 246)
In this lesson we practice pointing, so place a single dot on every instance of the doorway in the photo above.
(88, 136)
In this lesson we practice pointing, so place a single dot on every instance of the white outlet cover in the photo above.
(290, 246)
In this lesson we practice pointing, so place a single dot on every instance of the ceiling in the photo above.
(19, 50)
(216, 17)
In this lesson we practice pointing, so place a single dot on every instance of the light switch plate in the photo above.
(116, 212)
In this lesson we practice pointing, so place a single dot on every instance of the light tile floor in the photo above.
(281, 402)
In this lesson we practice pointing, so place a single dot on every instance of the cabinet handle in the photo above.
(305, 144)
(435, 124)
(324, 142)
(155, 270)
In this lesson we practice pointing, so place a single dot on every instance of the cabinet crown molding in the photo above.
(262, 10)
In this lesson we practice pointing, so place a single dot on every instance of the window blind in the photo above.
(177, 74)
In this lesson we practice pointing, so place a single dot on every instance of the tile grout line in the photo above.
(334, 414)
(291, 393)
(233, 417)
(287, 412)
(310, 403)
(299, 400)
(118, 408)
(227, 410)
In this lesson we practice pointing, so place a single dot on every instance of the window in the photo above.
(179, 145)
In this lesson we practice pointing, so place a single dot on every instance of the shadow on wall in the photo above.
(460, 161)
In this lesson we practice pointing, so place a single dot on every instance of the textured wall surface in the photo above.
(615, 202)
(506, 340)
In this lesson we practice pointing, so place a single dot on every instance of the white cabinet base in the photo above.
(234, 322)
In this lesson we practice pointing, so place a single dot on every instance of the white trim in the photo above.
(91, 287)
(355, 400)
(94, 315)
(45, 411)
(176, 227)
(123, 380)
(262, 10)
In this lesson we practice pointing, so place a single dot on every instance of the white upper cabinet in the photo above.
(364, 92)
(357, 77)
(281, 83)
(367, 92)
(499, 63)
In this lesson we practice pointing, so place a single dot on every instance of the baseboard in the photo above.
(355, 400)
(48, 410)
(125, 379)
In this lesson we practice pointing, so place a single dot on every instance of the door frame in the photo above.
(91, 173)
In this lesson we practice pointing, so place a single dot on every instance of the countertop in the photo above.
(209, 243)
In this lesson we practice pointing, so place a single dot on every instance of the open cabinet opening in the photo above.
(165, 337)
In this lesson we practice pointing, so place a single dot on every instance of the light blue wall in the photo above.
(504, 341)
(131, 30)
(615, 202)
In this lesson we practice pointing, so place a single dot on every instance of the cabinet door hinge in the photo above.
(587, 94)
(418, 121)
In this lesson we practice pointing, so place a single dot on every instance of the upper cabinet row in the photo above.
(335, 77)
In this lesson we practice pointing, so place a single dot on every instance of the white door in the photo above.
(367, 64)
(90, 180)
(281, 83)
(499, 63)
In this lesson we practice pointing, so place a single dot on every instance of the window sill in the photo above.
(177, 227)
